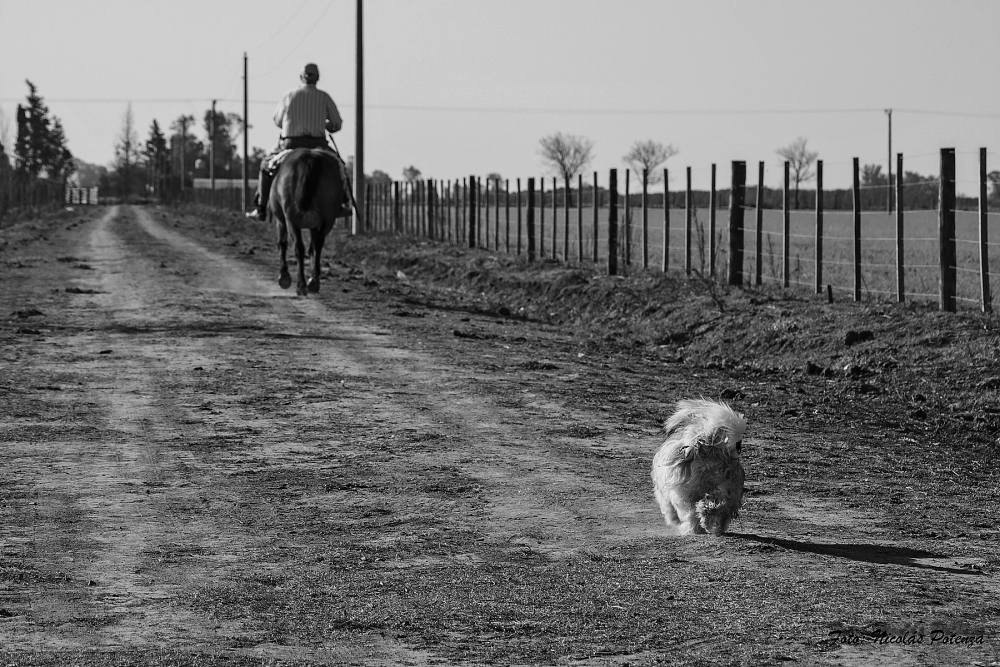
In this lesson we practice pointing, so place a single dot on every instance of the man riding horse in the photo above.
(304, 115)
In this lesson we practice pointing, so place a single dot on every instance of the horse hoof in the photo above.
(313, 285)
(284, 280)
(301, 290)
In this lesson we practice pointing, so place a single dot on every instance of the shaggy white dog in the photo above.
(697, 475)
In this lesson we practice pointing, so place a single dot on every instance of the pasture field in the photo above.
(878, 246)
(443, 459)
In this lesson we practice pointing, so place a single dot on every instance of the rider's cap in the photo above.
(311, 69)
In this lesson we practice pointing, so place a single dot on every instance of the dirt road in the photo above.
(200, 467)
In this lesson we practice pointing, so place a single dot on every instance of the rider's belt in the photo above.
(303, 142)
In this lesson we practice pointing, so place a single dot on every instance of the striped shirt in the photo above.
(305, 112)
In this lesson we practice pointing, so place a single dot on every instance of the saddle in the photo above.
(289, 144)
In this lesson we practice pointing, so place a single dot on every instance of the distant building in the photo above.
(223, 183)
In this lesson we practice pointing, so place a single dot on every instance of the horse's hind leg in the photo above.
(300, 256)
(316, 246)
(284, 279)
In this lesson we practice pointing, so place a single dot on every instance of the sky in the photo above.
(460, 87)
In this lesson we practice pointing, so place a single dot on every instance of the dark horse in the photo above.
(309, 192)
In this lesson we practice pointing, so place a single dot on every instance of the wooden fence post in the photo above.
(397, 209)
(422, 203)
(688, 213)
(368, 205)
(486, 205)
(666, 221)
(519, 216)
(737, 195)
(411, 202)
(628, 221)
(541, 217)
(531, 219)
(857, 232)
(506, 206)
(759, 228)
(946, 228)
(900, 285)
(613, 223)
(712, 203)
(579, 218)
(984, 259)
(472, 211)
(566, 221)
(446, 205)
(414, 211)
(786, 214)
(555, 216)
(418, 209)
(819, 226)
(645, 218)
(431, 223)
(496, 214)
(596, 204)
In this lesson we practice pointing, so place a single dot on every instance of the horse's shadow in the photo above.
(866, 553)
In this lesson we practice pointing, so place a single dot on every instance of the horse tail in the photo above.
(313, 164)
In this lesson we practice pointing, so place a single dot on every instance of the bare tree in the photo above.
(871, 174)
(800, 160)
(649, 155)
(994, 178)
(411, 173)
(566, 154)
(126, 152)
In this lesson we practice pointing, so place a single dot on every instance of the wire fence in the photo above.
(873, 250)
(876, 250)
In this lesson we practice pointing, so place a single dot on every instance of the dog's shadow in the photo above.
(866, 553)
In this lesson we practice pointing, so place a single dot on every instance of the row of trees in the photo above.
(40, 149)
(568, 155)
(166, 162)
(36, 171)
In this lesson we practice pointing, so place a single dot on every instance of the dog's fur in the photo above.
(697, 475)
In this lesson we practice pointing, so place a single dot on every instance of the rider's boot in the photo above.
(259, 209)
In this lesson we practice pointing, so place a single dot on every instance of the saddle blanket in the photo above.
(274, 161)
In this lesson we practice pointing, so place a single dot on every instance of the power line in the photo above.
(302, 39)
(533, 110)
(278, 32)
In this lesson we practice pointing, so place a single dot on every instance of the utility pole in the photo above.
(184, 134)
(359, 135)
(211, 150)
(246, 135)
(888, 184)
